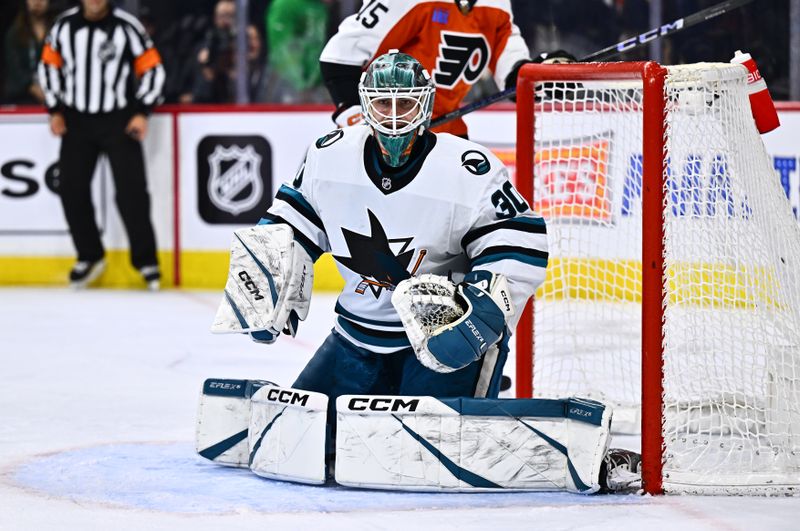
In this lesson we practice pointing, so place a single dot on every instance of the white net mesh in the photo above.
(588, 187)
(731, 332)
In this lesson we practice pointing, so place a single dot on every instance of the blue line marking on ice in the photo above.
(170, 477)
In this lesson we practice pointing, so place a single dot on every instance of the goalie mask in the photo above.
(397, 102)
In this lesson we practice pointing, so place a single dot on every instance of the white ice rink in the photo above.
(97, 404)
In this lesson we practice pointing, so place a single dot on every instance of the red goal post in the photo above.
(652, 74)
(673, 286)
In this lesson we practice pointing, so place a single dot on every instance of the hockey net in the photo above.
(632, 164)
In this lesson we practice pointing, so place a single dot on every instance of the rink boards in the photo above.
(213, 170)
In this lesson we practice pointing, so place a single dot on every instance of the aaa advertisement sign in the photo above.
(572, 178)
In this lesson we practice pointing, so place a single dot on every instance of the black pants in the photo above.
(86, 138)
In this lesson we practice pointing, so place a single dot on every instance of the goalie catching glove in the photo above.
(269, 284)
(450, 326)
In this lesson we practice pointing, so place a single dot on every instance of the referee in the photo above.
(101, 77)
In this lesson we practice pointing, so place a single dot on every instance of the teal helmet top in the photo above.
(397, 102)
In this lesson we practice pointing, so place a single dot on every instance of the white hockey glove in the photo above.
(347, 116)
(269, 284)
(451, 326)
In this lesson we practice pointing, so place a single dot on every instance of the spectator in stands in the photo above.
(180, 32)
(634, 19)
(297, 31)
(181, 41)
(215, 76)
(23, 47)
(256, 62)
(585, 26)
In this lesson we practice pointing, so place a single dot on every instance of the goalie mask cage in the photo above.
(636, 164)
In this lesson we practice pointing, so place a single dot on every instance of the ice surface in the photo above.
(97, 405)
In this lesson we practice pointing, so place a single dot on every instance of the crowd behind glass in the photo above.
(197, 38)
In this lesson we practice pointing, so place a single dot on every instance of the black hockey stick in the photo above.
(611, 51)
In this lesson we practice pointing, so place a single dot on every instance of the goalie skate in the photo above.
(620, 471)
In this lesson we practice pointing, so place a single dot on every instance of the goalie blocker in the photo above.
(420, 443)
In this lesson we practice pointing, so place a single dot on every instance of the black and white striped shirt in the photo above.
(100, 66)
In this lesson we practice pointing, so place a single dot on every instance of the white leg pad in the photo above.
(426, 444)
(287, 434)
(222, 420)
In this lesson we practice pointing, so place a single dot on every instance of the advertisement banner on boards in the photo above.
(29, 202)
(31, 216)
(231, 165)
(497, 130)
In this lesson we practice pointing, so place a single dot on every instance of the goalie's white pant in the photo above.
(339, 367)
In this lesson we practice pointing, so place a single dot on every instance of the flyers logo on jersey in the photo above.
(462, 56)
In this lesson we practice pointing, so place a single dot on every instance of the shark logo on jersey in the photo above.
(462, 56)
(372, 257)
(239, 187)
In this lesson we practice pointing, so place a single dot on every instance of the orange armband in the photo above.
(147, 61)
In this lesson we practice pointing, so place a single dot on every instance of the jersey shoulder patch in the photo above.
(476, 162)
(472, 157)
(340, 138)
(329, 139)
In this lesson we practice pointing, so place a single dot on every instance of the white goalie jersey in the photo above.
(449, 210)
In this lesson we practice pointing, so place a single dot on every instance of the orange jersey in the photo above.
(454, 48)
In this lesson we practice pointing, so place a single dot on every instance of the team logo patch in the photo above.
(462, 56)
(330, 138)
(107, 51)
(234, 178)
(475, 162)
(382, 262)
(441, 16)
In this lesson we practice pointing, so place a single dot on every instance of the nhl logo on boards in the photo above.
(235, 172)
(386, 183)
(226, 189)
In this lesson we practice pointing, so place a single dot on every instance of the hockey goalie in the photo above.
(438, 252)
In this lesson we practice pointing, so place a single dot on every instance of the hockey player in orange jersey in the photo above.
(455, 40)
